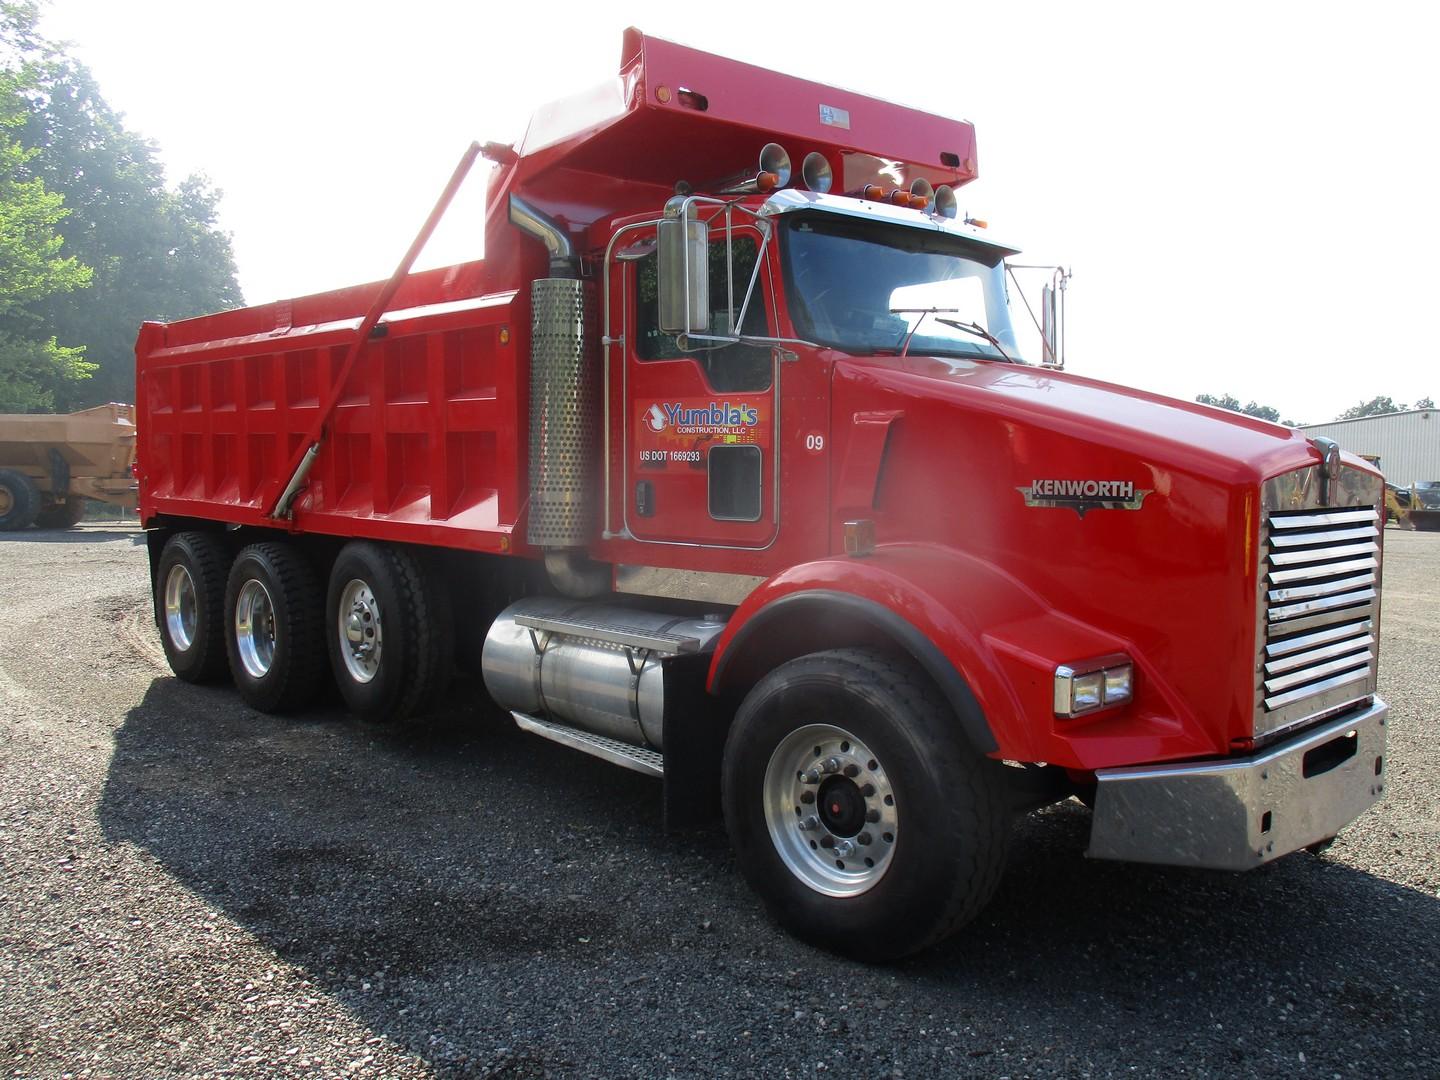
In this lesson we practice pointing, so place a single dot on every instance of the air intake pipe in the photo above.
(564, 403)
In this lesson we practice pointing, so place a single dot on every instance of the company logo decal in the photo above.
(702, 419)
(1083, 495)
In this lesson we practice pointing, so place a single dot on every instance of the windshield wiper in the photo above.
(978, 331)
(922, 312)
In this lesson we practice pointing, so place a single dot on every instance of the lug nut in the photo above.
(844, 848)
(813, 776)
(809, 823)
(832, 765)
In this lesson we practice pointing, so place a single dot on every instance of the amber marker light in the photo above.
(979, 223)
(919, 202)
(662, 95)
(504, 335)
(873, 192)
(767, 181)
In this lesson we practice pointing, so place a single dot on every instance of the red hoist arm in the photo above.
(299, 466)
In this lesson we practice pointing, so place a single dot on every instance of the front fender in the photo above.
(990, 644)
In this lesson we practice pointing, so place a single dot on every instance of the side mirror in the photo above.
(1049, 325)
(1052, 318)
(683, 272)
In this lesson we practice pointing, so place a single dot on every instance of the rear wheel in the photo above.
(389, 631)
(272, 622)
(65, 515)
(19, 501)
(190, 605)
(856, 809)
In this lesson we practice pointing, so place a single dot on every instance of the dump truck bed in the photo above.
(424, 441)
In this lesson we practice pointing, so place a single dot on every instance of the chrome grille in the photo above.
(1320, 584)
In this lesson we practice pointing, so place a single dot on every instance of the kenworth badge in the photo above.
(1083, 495)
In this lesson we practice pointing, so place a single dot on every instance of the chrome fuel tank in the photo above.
(598, 667)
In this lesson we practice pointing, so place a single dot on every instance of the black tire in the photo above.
(277, 659)
(408, 613)
(195, 643)
(952, 823)
(65, 515)
(19, 501)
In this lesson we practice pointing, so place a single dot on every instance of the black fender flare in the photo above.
(806, 622)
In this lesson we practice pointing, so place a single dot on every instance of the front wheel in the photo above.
(19, 501)
(856, 809)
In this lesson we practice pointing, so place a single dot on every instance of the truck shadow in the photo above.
(468, 887)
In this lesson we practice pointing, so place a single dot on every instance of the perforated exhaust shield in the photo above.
(564, 399)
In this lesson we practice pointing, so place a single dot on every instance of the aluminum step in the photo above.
(618, 633)
(649, 762)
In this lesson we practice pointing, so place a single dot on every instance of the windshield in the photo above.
(850, 282)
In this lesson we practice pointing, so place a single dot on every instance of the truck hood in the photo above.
(1228, 447)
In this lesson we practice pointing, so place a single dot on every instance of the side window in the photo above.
(729, 367)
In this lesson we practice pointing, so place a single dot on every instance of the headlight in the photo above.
(1101, 683)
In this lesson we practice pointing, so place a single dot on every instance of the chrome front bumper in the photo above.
(1241, 812)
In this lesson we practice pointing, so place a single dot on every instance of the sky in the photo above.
(1245, 192)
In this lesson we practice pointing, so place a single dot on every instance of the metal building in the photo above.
(1407, 443)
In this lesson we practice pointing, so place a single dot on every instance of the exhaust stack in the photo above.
(564, 402)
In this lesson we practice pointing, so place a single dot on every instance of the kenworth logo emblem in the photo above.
(1083, 495)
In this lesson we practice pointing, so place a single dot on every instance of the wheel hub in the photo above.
(181, 612)
(361, 635)
(842, 807)
(255, 628)
(7, 501)
(830, 810)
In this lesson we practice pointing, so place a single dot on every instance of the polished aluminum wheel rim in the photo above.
(361, 637)
(255, 628)
(181, 613)
(830, 810)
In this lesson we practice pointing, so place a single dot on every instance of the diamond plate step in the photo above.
(601, 630)
(649, 762)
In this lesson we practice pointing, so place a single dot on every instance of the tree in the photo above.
(34, 366)
(1228, 401)
(1379, 406)
(157, 253)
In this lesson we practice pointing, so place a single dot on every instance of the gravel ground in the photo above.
(190, 888)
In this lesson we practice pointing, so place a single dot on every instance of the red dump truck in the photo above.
(736, 477)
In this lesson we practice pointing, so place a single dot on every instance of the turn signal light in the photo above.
(1087, 687)
(859, 537)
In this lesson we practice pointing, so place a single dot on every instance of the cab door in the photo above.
(700, 445)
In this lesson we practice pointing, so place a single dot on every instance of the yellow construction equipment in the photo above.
(50, 464)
